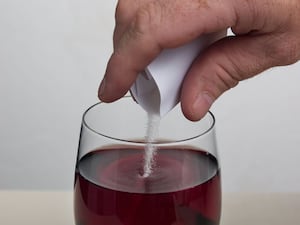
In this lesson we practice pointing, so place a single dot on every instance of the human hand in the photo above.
(267, 34)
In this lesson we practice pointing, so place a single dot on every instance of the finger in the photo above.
(226, 63)
(155, 27)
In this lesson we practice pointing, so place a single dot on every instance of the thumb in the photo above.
(223, 65)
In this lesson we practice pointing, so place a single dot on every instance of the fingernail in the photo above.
(102, 88)
(201, 105)
(207, 98)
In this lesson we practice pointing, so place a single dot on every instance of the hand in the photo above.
(267, 34)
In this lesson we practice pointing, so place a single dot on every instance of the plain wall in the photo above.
(52, 58)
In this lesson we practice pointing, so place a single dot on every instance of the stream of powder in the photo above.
(150, 149)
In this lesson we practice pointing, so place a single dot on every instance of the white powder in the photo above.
(150, 149)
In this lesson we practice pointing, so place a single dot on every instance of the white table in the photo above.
(55, 208)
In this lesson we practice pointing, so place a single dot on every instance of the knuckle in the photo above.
(125, 10)
(226, 77)
(226, 73)
(121, 11)
(218, 82)
(148, 17)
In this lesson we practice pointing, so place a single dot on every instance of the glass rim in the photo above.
(160, 142)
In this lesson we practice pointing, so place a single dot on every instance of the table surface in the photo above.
(55, 208)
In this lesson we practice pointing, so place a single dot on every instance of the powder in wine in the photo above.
(151, 149)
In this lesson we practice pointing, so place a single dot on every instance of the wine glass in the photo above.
(111, 188)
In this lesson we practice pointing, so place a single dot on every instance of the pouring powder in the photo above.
(150, 148)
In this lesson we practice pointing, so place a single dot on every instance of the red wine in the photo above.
(183, 188)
